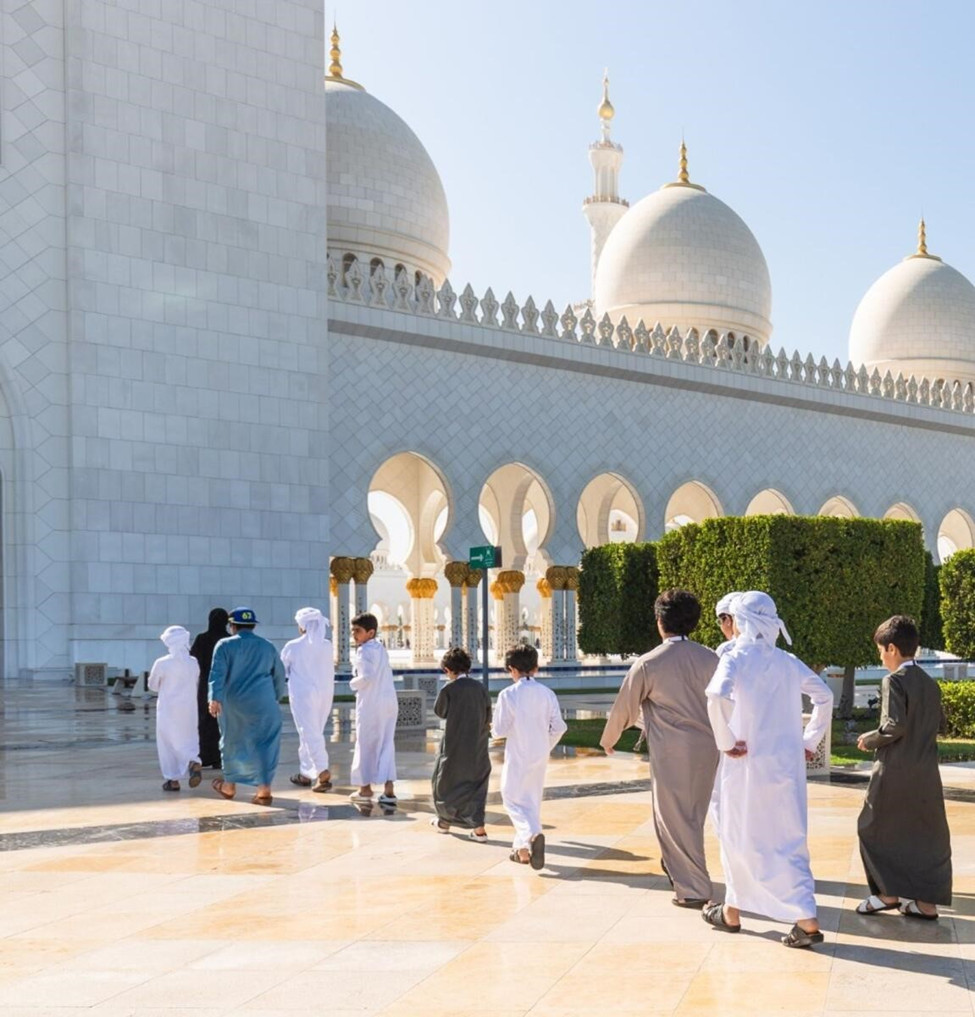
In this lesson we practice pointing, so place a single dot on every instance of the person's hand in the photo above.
(810, 755)
(740, 749)
(860, 744)
(214, 708)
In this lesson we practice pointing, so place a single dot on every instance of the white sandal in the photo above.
(479, 837)
(873, 904)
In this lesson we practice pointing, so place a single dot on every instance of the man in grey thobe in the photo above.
(664, 694)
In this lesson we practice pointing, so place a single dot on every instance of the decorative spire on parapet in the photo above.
(683, 178)
(922, 243)
(335, 66)
(604, 207)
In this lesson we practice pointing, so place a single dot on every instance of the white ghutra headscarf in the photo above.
(725, 604)
(757, 619)
(315, 624)
(177, 640)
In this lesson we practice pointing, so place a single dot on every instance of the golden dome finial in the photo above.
(335, 53)
(682, 177)
(606, 111)
(922, 244)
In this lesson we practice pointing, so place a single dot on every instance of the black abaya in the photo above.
(202, 649)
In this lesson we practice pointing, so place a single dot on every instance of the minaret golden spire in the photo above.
(606, 111)
(335, 67)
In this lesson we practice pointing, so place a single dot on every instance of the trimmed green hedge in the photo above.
(833, 580)
(957, 581)
(932, 634)
(958, 700)
(617, 587)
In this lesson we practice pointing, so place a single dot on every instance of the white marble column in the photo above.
(362, 570)
(511, 581)
(556, 578)
(456, 574)
(473, 629)
(571, 632)
(422, 592)
(341, 570)
(496, 630)
(545, 617)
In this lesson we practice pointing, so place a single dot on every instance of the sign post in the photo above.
(485, 558)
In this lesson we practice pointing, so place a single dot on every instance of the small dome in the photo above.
(385, 198)
(918, 318)
(682, 257)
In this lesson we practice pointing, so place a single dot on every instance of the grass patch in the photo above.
(586, 733)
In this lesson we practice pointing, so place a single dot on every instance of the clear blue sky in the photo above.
(829, 127)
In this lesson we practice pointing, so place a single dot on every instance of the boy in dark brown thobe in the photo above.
(904, 839)
(666, 688)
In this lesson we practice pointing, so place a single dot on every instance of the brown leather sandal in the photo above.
(218, 785)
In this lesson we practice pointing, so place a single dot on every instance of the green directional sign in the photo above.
(485, 557)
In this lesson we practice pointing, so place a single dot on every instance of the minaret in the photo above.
(604, 207)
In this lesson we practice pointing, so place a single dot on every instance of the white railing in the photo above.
(351, 283)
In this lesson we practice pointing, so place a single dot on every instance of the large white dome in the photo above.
(918, 318)
(385, 198)
(682, 257)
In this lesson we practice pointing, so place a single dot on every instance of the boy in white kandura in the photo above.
(376, 709)
(310, 670)
(175, 678)
(527, 715)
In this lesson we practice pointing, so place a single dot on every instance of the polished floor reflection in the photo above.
(117, 899)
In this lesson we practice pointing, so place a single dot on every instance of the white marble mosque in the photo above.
(233, 365)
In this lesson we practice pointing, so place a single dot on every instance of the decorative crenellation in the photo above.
(724, 352)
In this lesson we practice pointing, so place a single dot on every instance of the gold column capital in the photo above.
(571, 578)
(556, 577)
(456, 573)
(333, 586)
(543, 587)
(511, 580)
(362, 569)
(421, 589)
(473, 578)
(497, 590)
(342, 568)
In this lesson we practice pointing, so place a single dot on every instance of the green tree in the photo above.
(957, 582)
(617, 588)
(833, 580)
(932, 635)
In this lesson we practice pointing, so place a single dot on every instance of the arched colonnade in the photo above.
(532, 597)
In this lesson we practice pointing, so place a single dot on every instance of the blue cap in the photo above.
(242, 616)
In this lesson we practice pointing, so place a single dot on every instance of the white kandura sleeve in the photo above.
(719, 713)
(821, 697)
(156, 675)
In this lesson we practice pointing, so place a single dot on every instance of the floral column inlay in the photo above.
(363, 568)
(556, 577)
(571, 586)
(422, 592)
(473, 631)
(456, 573)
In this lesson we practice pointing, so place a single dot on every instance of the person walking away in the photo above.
(376, 710)
(754, 704)
(664, 692)
(905, 844)
(463, 767)
(246, 683)
(174, 677)
(202, 650)
(309, 667)
(528, 717)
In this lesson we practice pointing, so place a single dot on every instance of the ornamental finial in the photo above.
(606, 111)
(922, 238)
(335, 53)
(682, 177)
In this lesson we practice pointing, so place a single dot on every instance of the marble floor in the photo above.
(118, 900)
